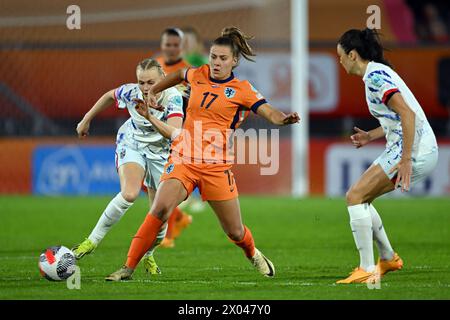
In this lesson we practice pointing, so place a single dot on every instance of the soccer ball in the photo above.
(57, 263)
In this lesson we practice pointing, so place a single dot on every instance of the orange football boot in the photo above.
(181, 224)
(167, 243)
(358, 275)
(385, 266)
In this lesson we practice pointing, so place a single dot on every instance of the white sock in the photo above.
(379, 235)
(113, 212)
(361, 223)
(159, 238)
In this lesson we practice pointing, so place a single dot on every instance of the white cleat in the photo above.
(262, 264)
(123, 273)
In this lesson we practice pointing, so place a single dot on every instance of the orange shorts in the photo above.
(214, 181)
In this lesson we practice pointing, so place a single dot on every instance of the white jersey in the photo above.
(381, 82)
(137, 131)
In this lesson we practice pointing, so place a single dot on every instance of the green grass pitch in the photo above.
(309, 241)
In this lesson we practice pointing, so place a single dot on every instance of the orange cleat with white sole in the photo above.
(167, 243)
(385, 266)
(358, 275)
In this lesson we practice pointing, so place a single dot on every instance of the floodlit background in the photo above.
(50, 76)
(53, 186)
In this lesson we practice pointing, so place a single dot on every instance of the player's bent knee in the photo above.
(162, 212)
(130, 195)
(353, 197)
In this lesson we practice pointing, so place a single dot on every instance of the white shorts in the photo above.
(422, 165)
(153, 167)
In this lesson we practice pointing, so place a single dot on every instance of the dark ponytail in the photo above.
(237, 41)
(366, 42)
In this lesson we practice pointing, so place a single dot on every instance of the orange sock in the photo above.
(143, 240)
(247, 243)
(174, 217)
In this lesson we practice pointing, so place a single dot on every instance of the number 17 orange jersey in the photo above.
(215, 109)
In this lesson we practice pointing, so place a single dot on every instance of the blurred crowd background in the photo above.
(50, 76)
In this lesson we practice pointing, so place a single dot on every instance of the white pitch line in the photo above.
(18, 257)
(285, 284)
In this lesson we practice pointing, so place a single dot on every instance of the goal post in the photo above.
(299, 97)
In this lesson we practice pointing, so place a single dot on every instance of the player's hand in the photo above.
(152, 102)
(404, 172)
(291, 118)
(360, 138)
(83, 129)
(141, 108)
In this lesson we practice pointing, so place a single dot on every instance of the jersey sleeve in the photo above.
(382, 85)
(124, 95)
(174, 106)
(188, 75)
(252, 99)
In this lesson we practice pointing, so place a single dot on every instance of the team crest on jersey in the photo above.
(176, 100)
(170, 168)
(376, 80)
(229, 92)
(122, 153)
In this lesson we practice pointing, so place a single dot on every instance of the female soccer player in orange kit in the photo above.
(216, 102)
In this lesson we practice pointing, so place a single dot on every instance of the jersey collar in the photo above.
(231, 77)
(368, 70)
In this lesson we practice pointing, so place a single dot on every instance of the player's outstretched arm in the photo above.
(105, 101)
(408, 120)
(172, 79)
(361, 137)
(277, 117)
(168, 130)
